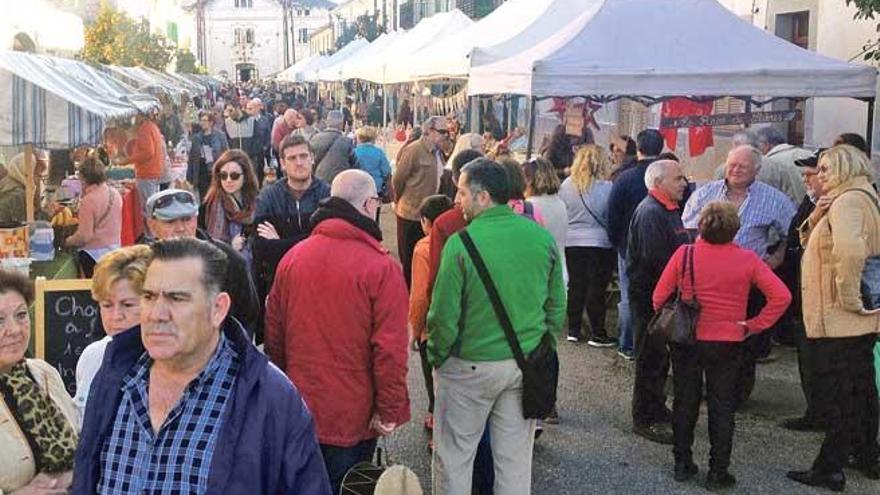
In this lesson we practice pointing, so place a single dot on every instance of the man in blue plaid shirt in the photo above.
(185, 404)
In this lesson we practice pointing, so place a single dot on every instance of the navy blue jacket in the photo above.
(291, 218)
(267, 444)
(627, 192)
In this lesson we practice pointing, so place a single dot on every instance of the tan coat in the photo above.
(416, 176)
(16, 459)
(834, 256)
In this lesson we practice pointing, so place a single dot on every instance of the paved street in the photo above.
(593, 451)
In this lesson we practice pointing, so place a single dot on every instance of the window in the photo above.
(303, 35)
(237, 36)
(249, 36)
(244, 4)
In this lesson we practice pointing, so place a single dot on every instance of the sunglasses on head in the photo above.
(230, 175)
(180, 197)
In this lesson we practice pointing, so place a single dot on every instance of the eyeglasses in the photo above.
(180, 197)
(444, 132)
(230, 175)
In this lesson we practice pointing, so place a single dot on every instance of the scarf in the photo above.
(333, 207)
(224, 210)
(49, 433)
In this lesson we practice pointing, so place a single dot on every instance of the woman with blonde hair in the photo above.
(589, 255)
(116, 285)
(841, 236)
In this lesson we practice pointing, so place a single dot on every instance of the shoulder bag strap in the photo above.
(590, 211)
(497, 304)
(870, 196)
(689, 265)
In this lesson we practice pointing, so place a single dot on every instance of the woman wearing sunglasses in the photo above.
(228, 210)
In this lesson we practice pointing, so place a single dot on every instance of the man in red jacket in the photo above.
(336, 323)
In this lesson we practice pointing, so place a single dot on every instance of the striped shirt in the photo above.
(177, 459)
(764, 215)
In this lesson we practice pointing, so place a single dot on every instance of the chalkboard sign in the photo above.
(67, 320)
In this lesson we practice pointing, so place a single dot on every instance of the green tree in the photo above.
(365, 26)
(867, 9)
(185, 63)
(117, 39)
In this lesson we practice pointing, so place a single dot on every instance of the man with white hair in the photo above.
(655, 233)
(765, 214)
(262, 136)
(334, 151)
(416, 176)
(336, 323)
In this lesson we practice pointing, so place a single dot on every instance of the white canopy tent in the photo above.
(389, 66)
(449, 57)
(326, 71)
(341, 70)
(672, 48)
(290, 74)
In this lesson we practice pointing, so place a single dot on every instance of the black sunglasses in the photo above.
(442, 131)
(181, 197)
(230, 175)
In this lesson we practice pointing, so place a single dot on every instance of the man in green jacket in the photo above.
(477, 377)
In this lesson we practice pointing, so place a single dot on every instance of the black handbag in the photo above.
(540, 369)
(676, 321)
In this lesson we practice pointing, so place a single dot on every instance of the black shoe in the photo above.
(835, 482)
(602, 341)
(719, 480)
(685, 470)
(870, 469)
(539, 430)
(552, 418)
(801, 423)
(657, 432)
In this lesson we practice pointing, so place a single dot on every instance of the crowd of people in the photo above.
(273, 240)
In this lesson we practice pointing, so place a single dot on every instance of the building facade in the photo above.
(829, 29)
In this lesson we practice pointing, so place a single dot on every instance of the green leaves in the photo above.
(117, 39)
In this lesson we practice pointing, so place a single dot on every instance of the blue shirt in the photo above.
(177, 459)
(372, 160)
(764, 216)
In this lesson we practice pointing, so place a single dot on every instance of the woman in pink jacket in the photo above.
(723, 275)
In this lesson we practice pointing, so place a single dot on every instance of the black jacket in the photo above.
(654, 235)
(626, 193)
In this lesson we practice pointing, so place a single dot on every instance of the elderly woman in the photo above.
(100, 216)
(37, 418)
(13, 202)
(371, 158)
(116, 285)
(840, 235)
(723, 274)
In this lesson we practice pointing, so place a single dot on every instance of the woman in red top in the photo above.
(723, 275)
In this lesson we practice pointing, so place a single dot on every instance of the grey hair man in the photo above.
(779, 169)
(742, 137)
(334, 151)
(765, 214)
(353, 289)
(186, 400)
(416, 176)
(655, 233)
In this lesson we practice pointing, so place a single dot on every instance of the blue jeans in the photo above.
(340, 459)
(624, 317)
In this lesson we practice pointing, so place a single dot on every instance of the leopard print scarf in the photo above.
(49, 433)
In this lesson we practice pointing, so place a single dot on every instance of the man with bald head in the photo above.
(765, 214)
(283, 127)
(336, 323)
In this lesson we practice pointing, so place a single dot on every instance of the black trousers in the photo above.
(754, 348)
(719, 363)
(846, 399)
(408, 234)
(589, 272)
(428, 374)
(806, 371)
(652, 365)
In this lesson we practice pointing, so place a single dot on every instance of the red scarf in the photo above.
(224, 212)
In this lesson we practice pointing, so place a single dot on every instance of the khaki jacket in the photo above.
(831, 270)
(416, 176)
(16, 459)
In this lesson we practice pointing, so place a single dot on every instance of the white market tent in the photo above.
(389, 66)
(326, 72)
(295, 72)
(670, 48)
(104, 84)
(48, 108)
(449, 57)
(341, 69)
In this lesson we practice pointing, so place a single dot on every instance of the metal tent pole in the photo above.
(532, 118)
(869, 132)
